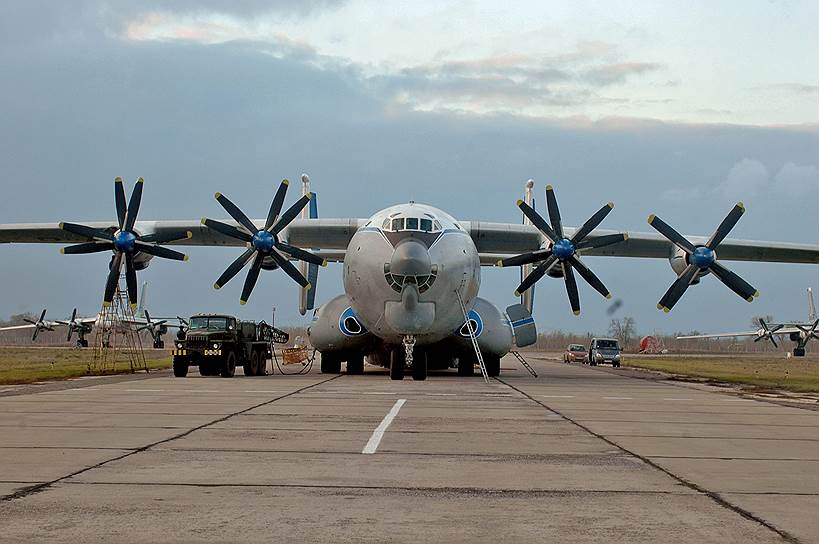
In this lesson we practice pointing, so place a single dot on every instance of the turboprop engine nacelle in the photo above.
(679, 262)
(491, 327)
(336, 328)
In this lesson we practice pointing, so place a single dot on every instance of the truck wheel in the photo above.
(330, 363)
(355, 364)
(466, 366)
(492, 363)
(229, 366)
(180, 368)
(397, 363)
(419, 366)
(261, 367)
(250, 366)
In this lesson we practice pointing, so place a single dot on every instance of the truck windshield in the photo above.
(606, 344)
(209, 323)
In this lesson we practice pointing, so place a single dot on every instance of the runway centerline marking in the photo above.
(557, 396)
(618, 398)
(379, 393)
(144, 390)
(676, 399)
(378, 433)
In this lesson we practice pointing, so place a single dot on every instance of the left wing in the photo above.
(497, 241)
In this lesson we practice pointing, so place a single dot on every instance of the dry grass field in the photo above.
(33, 364)
(799, 374)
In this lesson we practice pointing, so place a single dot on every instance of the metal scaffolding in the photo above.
(116, 340)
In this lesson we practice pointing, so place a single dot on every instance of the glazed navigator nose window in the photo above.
(412, 223)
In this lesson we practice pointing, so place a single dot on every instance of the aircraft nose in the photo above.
(410, 258)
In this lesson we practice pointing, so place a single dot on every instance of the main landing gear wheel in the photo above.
(492, 363)
(330, 363)
(355, 364)
(419, 366)
(397, 361)
(798, 352)
(229, 366)
(466, 367)
(180, 369)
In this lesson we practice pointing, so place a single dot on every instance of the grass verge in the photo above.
(27, 365)
(796, 374)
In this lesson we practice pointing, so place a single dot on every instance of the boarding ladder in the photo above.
(520, 358)
(472, 337)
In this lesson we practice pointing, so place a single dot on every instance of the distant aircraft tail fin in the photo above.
(140, 312)
(811, 306)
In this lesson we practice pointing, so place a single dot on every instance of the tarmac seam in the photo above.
(25, 492)
(716, 497)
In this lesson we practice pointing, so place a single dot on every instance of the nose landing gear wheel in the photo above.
(397, 363)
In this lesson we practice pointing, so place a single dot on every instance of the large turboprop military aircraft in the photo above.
(412, 272)
(800, 333)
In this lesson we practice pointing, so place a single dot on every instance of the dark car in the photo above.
(574, 353)
(604, 350)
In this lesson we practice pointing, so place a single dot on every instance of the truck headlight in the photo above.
(215, 346)
(617, 357)
(179, 345)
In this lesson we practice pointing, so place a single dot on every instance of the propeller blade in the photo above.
(290, 270)
(113, 279)
(537, 220)
(252, 277)
(589, 276)
(276, 205)
(27, 320)
(677, 288)
(133, 205)
(36, 333)
(236, 213)
(602, 241)
(147, 316)
(526, 258)
(734, 282)
(74, 315)
(291, 213)
(571, 287)
(535, 275)
(42, 315)
(301, 254)
(666, 230)
(725, 227)
(87, 232)
(166, 236)
(773, 341)
(90, 247)
(119, 198)
(592, 223)
(234, 268)
(554, 211)
(70, 333)
(227, 230)
(159, 251)
(131, 279)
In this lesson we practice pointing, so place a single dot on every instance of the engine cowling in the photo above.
(494, 334)
(679, 262)
(336, 328)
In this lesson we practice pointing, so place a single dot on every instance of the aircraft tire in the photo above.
(330, 363)
(180, 368)
(419, 366)
(397, 363)
(229, 366)
(492, 363)
(355, 364)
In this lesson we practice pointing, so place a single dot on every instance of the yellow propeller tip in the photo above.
(576, 312)
(625, 236)
(499, 263)
(324, 262)
(185, 258)
(550, 188)
(217, 286)
(517, 293)
(741, 205)
(189, 234)
(117, 179)
(140, 180)
(285, 182)
(756, 295)
(519, 202)
(218, 196)
(61, 226)
(611, 205)
(105, 303)
(651, 218)
(666, 310)
(308, 286)
(133, 305)
(608, 296)
(242, 302)
(659, 306)
(309, 196)
(62, 251)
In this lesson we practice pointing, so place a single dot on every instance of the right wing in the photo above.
(781, 332)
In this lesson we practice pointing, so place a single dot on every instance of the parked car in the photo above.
(575, 353)
(604, 350)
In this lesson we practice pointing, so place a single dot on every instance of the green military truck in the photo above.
(218, 343)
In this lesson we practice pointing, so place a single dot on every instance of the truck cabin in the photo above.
(202, 323)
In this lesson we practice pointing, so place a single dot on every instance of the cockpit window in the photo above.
(398, 223)
(426, 225)
(386, 224)
(412, 223)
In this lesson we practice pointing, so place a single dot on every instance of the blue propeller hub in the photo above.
(263, 241)
(124, 241)
(703, 257)
(563, 249)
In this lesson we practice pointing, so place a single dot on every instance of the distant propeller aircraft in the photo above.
(412, 272)
(800, 333)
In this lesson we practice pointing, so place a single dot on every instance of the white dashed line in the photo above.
(379, 393)
(265, 391)
(557, 396)
(737, 400)
(618, 398)
(676, 399)
(379, 431)
(442, 394)
(144, 390)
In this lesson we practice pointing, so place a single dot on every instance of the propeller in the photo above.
(263, 243)
(39, 325)
(702, 259)
(153, 327)
(810, 332)
(124, 242)
(563, 251)
(768, 332)
(71, 324)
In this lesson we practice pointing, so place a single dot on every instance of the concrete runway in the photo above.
(577, 455)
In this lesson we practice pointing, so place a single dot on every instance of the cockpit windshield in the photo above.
(422, 224)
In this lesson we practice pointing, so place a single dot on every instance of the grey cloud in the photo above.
(610, 74)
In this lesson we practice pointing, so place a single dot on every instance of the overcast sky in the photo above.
(662, 110)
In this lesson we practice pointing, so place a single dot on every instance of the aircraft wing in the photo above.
(47, 324)
(497, 241)
(329, 236)
(781, 332)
